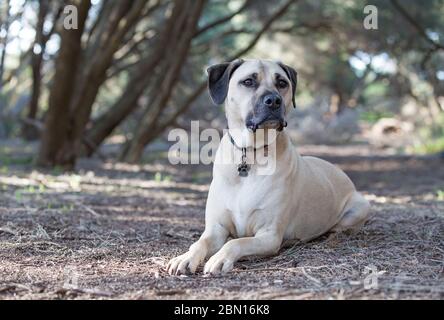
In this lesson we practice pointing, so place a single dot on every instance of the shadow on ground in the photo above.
(108, 230)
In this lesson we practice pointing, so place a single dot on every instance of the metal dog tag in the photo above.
(243, 168)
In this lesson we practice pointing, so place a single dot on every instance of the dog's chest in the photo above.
(245, 204)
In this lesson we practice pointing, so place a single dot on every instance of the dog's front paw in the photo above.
(219, 263)
(186, 263)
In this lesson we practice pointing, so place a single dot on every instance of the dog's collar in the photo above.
(242, 149)
(243, 168)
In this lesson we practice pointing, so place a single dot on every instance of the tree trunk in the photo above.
(186, 30)
(151, 125)
(140, 78)
(105, 124)
(127, 14)
(79, 86)
(58, 124)
(5, 42)
(167, 43)
(29, 131)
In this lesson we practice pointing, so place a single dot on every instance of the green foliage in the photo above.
(431, 146)
(57, 170)
(18, 195)
(30, 190)
(373, 116)
(321, 38)
(67, 208)
(374, 91)
(159, 177)
(440, 195)
(432, 138)
(9, 160)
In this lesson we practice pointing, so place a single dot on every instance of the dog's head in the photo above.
(257, 93)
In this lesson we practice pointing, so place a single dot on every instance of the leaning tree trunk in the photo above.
(152, 123)
(144, 74)
(75, 89)
(57, 129)
(29, 131)
(5, 41)
(186, 29)
(125, 18)
(103, 126)
(140, 79)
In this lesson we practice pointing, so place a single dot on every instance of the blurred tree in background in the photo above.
(136, 68)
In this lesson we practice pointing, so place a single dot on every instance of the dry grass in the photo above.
(108, 231)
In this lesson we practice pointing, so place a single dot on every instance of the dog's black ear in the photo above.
(293, 76)
(219, 77)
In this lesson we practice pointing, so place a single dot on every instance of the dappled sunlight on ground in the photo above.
(113, 227)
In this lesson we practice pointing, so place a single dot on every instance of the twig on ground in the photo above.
(93, 292)
(15, 286)
(169, 292)
(9, 231)
(90, 210)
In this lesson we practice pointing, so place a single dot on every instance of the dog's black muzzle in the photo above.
(268, 113)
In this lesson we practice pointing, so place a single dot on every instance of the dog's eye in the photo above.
(248, 83)
(282, 84)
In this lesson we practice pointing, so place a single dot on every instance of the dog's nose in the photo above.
(272, 101)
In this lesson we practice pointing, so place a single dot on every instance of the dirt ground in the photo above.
(107, 232)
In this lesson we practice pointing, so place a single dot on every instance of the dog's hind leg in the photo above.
(356, 213)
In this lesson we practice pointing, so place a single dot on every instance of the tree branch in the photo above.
(280, 12)
(202, 86)
(436, 45)
(222, 20)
